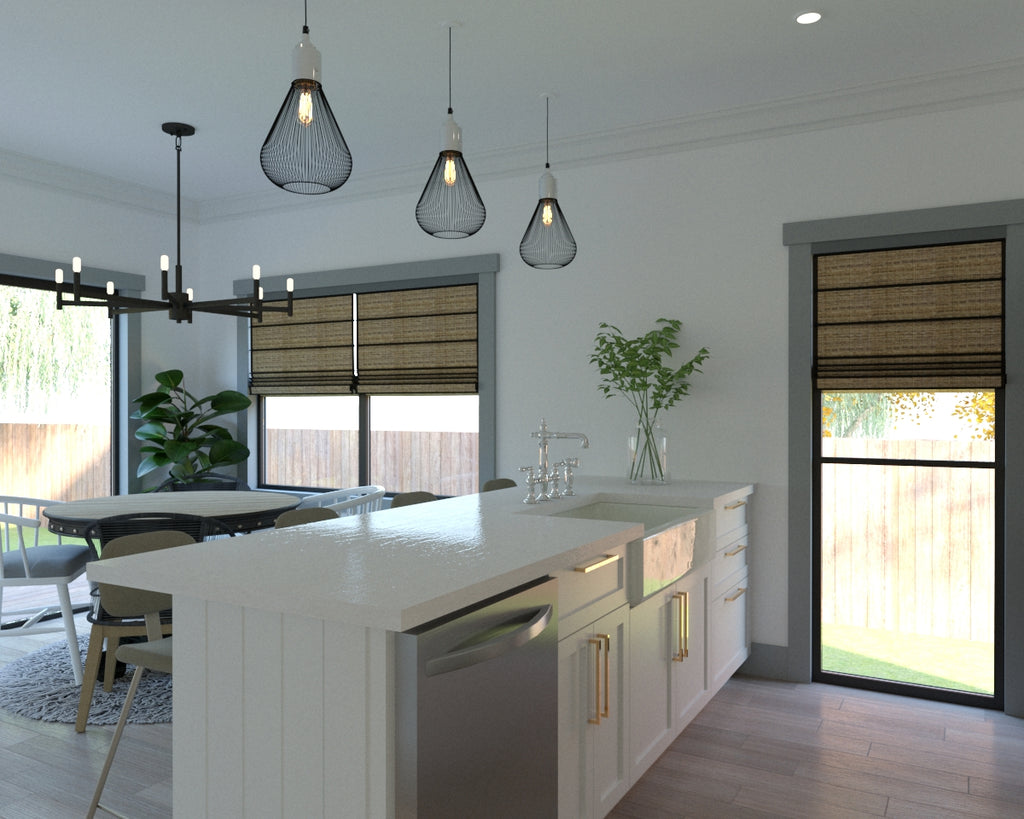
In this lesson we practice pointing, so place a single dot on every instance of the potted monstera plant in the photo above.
(177, 432)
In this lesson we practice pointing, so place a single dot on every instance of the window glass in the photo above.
(311, 441)
(425, 442)
(55, 397)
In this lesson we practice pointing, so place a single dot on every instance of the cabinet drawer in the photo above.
(730, 557)
(731, 515)
(729, 643)
(591, 589)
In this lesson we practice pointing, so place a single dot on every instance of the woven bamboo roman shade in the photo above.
(914, 318)
(418, 341)
(307, 354)
(421, 341)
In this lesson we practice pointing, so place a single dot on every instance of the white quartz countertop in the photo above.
(399, 568)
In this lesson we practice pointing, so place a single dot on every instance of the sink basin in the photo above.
(665, 553)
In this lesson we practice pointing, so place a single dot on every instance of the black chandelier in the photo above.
(178, 302)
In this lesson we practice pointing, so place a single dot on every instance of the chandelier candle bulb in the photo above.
(58, 276)
(256, 272)
(289, 285)
(110, 288)
(76, 264)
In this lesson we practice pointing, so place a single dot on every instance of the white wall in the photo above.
(695, 235)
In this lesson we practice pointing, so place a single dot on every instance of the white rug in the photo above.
(42, 686)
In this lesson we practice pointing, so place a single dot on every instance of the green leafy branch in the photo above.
(634, 368)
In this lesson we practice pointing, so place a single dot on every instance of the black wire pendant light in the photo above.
(450, 206)
(305, 151)
(548, 243)
(178, 302)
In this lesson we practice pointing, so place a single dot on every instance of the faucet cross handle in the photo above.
(554, 476)
(531, 482)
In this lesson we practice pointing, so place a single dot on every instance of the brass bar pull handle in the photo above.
(739, 593)
(736, 551)
(596, 719)
(606, 712)
(736, 505)
(601, 562)
(684, 626)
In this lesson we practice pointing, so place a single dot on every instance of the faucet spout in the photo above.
(584, 443)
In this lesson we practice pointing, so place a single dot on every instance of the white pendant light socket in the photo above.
(452, 138)
(306, 63)
(548, 186)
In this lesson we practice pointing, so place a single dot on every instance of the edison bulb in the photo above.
(449, 171)
(546, 216)
(305, 108)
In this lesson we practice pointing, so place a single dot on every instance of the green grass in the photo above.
(960, 665)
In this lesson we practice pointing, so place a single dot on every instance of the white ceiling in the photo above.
(86, 85)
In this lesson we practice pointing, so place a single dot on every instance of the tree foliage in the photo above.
(874, 414)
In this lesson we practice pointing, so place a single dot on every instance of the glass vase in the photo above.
(648, 454)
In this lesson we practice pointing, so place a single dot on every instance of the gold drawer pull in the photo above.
(684, 626)
(736, 551)
(596, 719)
(607, 674)
(739, 593)
(736, 505)
(602, 561)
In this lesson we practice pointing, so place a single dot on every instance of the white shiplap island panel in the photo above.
(283, 690)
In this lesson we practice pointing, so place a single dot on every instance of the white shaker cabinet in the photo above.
(729, 633)
(593, 678)
(593, 726)
(667, 644)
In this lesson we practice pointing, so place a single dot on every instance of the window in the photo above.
(908, 355)
(55, 400)
(384, 384)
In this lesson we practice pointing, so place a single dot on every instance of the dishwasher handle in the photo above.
(492, 648)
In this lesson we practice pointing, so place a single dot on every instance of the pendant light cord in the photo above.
(547, 130)
(177, 148)
(305, 16)
(449, 69)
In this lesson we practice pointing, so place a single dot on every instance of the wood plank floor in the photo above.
(761, 748)
(765, 748)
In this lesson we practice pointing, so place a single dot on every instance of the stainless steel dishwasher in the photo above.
(477, 710)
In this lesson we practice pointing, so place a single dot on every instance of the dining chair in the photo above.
(311, 514)
(352, 501)
(409, 498)
(497, 483)
(156, 654)
(200, 527)
(31, 564)
(108, 627)
(109, 630)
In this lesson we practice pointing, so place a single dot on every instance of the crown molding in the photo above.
(978, 85)
(94, 187)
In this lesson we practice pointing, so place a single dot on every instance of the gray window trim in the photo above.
(989, 220)
(481, 270)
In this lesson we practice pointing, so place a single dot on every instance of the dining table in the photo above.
(240, 510)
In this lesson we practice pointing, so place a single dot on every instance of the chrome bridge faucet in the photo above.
(546, 476)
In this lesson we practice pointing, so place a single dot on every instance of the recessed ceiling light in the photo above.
(806, 18)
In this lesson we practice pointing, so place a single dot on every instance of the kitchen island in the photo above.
(284, 691)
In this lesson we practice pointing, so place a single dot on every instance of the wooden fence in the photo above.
(55, 461)
(909, 549)
(445, 463)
